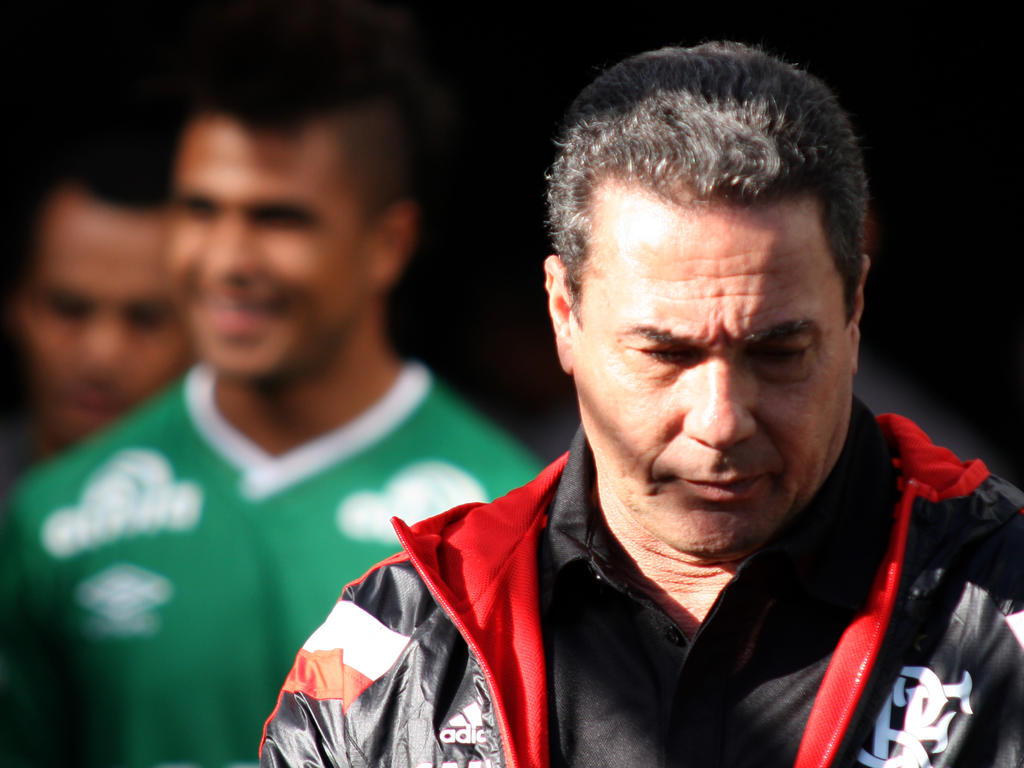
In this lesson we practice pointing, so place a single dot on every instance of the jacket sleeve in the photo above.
(306, 732)
(310, 726)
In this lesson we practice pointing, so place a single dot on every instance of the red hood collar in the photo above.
(933, 467)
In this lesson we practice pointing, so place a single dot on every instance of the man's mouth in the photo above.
(239, 317)
(96, 402)
(736, 489)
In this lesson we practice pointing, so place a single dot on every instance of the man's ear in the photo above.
(396, 235)
(560, 308)
(857, 311)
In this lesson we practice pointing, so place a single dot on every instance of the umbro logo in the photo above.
(467, 727)
(122, 601)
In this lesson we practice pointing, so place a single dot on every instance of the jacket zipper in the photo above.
(838, 695)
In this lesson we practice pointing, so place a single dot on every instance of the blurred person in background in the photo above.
(90, 309)
(154, 585)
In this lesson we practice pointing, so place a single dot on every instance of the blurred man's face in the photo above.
(94, 315)
(714, 360)
(272, 248)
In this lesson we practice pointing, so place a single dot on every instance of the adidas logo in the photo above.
(467, 727)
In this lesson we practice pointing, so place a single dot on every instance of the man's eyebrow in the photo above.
(283, 209)
(654, 334)
(186, 195)
(784, 330)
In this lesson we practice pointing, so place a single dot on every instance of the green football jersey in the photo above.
(157, 581)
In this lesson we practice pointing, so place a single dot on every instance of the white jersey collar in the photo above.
(264, 474)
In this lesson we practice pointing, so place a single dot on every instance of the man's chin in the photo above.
(254, 368)
(728, 532)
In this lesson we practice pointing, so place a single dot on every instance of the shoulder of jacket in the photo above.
(364, 636)
(996, 561)
(975, 538)
(394, 594)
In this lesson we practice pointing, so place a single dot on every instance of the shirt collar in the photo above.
(576, 531)
(834, 545)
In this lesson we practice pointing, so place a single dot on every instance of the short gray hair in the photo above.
(720, 121)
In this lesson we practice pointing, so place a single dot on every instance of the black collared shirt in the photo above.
(627, 688)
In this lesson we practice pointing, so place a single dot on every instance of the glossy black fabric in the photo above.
(627, 688)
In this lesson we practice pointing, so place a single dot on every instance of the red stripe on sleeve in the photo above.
(324, 675)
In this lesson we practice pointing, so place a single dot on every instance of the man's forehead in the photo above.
(222, 142)
(682, 201)
(74, 224)
(702, 269)
(638, 223)
(89, 244)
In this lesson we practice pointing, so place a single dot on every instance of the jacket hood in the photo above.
(937, 470)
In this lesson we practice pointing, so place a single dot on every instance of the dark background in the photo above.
(931, 95)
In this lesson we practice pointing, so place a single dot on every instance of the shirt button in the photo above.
(674, 635)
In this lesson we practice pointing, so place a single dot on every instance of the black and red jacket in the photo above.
(434, 659)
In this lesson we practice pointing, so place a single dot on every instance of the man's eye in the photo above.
(675, 356)
(196, 207)
(283, 216)
(68, 307)
(779, 354)
(147, 317)
(784, 363)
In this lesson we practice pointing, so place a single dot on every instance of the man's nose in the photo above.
(720, 404)
(104, 343)
(228, 250)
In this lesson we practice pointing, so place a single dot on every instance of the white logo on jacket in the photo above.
(466, 727)
(922, 714)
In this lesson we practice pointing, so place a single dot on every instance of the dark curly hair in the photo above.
(276, 63)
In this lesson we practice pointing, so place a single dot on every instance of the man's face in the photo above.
(94, 315)
(278, 262)
(713, 360)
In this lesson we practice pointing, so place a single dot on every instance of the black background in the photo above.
(932, 95)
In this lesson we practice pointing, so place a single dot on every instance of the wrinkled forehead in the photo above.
(644, 229)
(708, 272)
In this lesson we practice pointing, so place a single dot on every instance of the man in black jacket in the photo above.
(736, 565)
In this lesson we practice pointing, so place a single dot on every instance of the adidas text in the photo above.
(466, 727)
(466, 735)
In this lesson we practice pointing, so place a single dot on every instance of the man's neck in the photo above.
(281, 415)
(684, 588)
